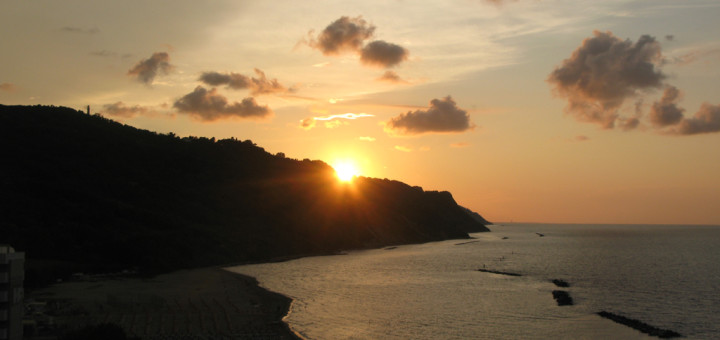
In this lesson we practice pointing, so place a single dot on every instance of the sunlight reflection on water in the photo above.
(434, 290)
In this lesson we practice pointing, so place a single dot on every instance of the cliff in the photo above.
(85, 190)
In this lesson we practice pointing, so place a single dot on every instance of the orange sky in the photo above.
(543, 111)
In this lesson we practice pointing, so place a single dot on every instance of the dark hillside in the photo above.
(83, 189)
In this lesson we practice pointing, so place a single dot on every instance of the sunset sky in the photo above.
(527, 110)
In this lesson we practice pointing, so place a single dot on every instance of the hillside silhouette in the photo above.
(82, 192)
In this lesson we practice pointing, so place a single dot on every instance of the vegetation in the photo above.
(84, 192)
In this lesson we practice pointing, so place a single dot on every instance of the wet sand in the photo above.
(206, 303)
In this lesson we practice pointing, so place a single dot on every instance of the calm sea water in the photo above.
(666, 276)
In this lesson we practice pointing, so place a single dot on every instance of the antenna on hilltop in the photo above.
(88, 110)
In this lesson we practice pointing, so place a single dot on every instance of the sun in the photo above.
(345, 171)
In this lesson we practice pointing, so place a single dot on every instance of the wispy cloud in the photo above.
(107, 54)
(79, 30)
(392, 77)
(331, 121)
(366, 139)
(459, 145)
(119, 109)
(344, 116)
(8, 87)
(257, 85)
(403, 148)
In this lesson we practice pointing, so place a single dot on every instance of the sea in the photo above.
(667, 276)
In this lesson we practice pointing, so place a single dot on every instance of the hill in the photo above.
(91, 194)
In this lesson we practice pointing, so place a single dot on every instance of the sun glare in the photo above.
(345, 171)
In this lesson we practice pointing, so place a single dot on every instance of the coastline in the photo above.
(208, 302)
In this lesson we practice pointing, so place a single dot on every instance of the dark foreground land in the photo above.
(82, 193)
(207, 303)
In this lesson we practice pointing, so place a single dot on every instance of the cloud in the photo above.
(697, 55)
(351, 116)
(383, 54)
(348, 35)
(366, 139)
(331, 121)
(331, 124)
(210, 106)
(669, 37)
(499, 2)
(343, 35)
(581, 138)
(106, 54)
(605, 71)
(666, 112)
(442, 116)
(459, 145)
(403, 148)
(307, 123)
(119, 109)
(80, 30)
(627, 124)
(706, 120)
(8, 87)
(257, 86)
(392, 77)
(146, 70)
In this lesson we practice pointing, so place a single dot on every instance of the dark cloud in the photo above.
(7, 87)
(605, 71)
(706, 120)
(119, 109)
(443, 115)
(146, 70)
(666, 112)
(392, 77)
(344, 34)
(73, 29)
(209, 106)
(257, 86)
(669, 37)
(383, 54)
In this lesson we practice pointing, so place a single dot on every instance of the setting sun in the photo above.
(345, 170)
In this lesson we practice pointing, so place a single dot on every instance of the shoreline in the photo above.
(211, 302)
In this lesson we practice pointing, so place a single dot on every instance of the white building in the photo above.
(12, 274)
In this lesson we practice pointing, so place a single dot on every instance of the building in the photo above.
(12, 274)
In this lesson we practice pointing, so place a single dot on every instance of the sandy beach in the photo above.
(206, 303)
